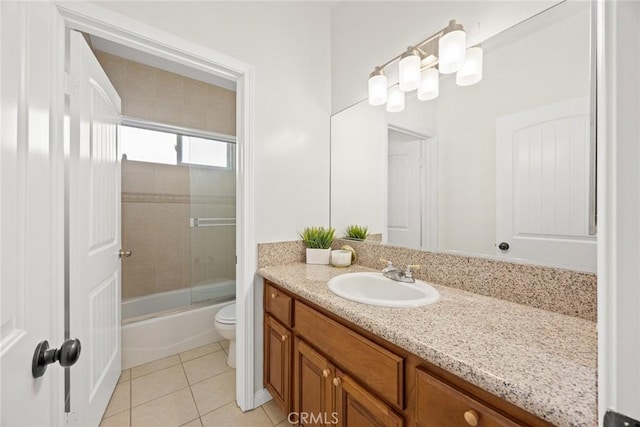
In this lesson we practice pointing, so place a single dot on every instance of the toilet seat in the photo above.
(227, 315)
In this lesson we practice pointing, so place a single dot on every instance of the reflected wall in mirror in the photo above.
(504, 168)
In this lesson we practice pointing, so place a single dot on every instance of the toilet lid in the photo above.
(227, 314)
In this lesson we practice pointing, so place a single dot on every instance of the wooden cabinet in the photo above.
(279, 305)
(277, 361)
(440, 404)
(326, 396)
(331, 372)
(313, 389)
(355, 406)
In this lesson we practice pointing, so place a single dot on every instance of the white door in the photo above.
(543, 186)
(94, 234)
(30, 301)
(404, 194)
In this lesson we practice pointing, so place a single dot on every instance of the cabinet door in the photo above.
(439, 404)
(277, 362)
(356, 407)
(313, 390)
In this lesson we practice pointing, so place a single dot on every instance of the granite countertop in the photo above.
(541, 361)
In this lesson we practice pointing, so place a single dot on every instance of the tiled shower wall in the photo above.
(160, 96)
(157, 202)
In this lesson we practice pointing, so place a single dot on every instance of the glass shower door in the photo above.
(212, 221)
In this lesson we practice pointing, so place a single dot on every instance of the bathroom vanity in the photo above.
(468, 360)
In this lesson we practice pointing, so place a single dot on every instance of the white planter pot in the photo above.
(318, 256)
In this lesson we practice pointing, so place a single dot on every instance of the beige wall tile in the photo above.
(138, 177)
(138, 97)
(221, 111)
(194, 114)
(157, 95)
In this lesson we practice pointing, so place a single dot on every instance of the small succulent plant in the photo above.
(318, 237)
(357, 232)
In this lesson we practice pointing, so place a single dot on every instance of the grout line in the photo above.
(156, 398)
(191, 391)
(208, 378)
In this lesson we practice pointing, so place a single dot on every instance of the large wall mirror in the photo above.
(504, 168)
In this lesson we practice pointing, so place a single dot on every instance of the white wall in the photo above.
(369, 33)
(288, 43)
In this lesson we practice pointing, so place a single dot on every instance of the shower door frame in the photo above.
(93, 19)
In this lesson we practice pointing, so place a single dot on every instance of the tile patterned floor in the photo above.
(191, 389)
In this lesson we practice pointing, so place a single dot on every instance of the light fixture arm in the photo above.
(417, 47)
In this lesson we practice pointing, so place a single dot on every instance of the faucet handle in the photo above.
(389, 263)
(408, 271)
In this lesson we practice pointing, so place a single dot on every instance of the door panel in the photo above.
(30, 302)
(404, 194)
(543, 183)
(94, 234)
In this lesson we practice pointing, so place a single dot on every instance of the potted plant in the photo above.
(318, 241)
(356, 232)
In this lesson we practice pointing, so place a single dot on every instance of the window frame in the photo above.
(180, 132)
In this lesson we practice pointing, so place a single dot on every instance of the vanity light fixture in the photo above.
(377, 87)
(409, 70)
(471, 71)
(419, 67)
(395, 103)
(452, 45)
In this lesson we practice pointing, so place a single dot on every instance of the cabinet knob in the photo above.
(325, 373)
(283, 338)
(273, 295)
(471, 417)
(337, 381)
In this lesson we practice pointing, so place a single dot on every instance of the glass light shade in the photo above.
(451, 48)
(395, 100)
(377, 89)
(409, 72)
(429, 84)
(471, 71)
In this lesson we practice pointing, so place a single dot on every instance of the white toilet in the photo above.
(226, 325)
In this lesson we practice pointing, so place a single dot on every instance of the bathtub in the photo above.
(155, 337)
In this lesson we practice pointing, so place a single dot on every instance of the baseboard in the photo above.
(261, 397)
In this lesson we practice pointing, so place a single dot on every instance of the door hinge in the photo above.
(70, 84)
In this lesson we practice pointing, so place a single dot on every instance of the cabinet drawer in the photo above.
(380, 369)
(278, 304)
(439, 404)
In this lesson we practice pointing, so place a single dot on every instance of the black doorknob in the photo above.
(66, 355)
(503, 246)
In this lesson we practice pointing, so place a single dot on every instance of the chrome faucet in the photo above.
(393, 273)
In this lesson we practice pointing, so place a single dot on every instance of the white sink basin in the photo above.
(375, 289)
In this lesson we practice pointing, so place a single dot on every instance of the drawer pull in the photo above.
(283, 338)
(471, 417)
(325, 373)
(337, 381)
(273, 295)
